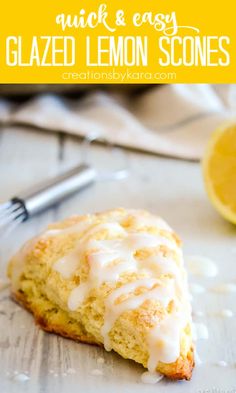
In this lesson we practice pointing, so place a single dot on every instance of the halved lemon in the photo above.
(219, 170)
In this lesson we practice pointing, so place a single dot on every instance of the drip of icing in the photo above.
(161, 293)
(151, 378)
(160, 265)
(198, 313)
(101, 262)
(67, 266)
(28, 246)
(164, 340)
(222, 363)
(196, 288)
(201, 266)
(80, 226)
(200, 331)
(224, 288)
(21, 377)
(78, 295)
(225, 313)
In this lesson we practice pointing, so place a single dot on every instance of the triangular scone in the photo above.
(115, 279)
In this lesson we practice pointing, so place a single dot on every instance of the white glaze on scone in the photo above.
(128, 249)
(164, 339)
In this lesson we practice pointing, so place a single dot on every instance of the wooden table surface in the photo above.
(171, 188)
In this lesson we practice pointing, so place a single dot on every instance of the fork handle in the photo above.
(54, 190)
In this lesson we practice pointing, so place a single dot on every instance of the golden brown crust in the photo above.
(181, 369)
(47, 327)
(44, 292)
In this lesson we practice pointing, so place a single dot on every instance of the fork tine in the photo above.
(9, 207)
(5, 205)
(11, 215)
(6, 209)
(9, 228)
(4, 213)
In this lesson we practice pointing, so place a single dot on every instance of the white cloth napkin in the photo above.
(172, 120)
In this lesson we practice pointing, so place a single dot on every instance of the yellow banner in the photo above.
(72, 41)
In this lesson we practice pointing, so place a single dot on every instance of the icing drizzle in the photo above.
(163, 279)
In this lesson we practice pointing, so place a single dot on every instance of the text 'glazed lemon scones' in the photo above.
(115, 279)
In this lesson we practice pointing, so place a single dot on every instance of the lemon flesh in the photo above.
(219, 170)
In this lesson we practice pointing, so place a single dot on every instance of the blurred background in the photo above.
(171, 120)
